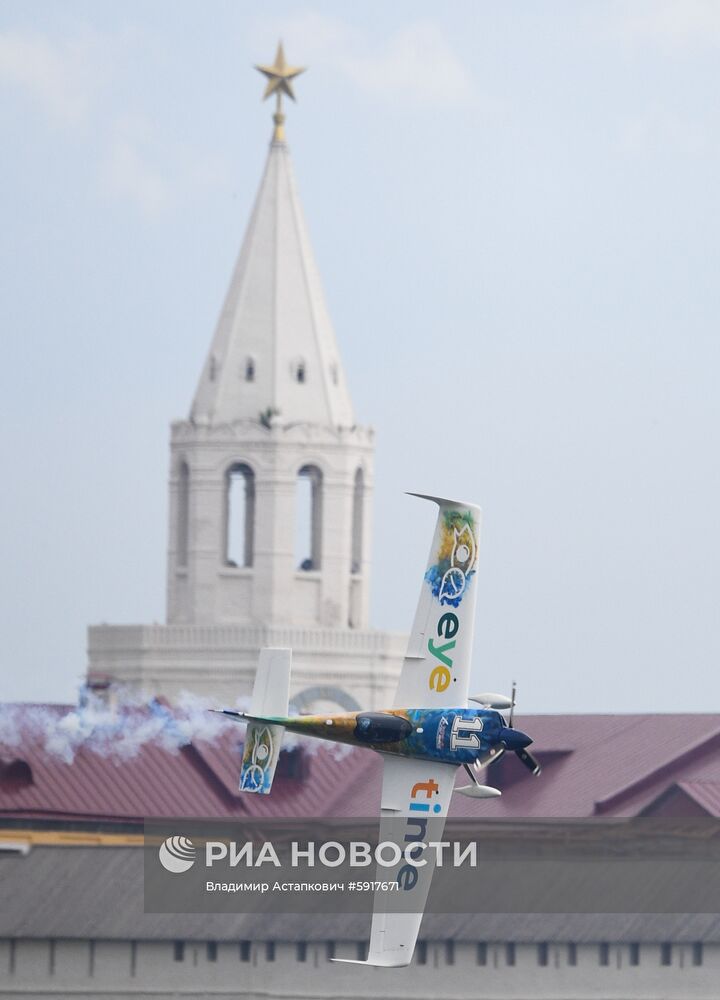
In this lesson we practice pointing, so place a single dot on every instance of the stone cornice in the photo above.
(253, 431)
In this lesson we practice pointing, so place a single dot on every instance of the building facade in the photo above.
(468, 966)
(74, 924)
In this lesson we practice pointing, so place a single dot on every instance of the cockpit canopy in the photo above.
(381, 727)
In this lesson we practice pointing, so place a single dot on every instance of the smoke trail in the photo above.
(120, 726)
(115, 728)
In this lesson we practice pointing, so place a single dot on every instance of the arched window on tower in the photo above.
(250, 369)
(183, 514)
(308, 520)
(239, 515)
(300, 371)
(357, 522)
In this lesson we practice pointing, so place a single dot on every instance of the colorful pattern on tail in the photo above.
(456, 557)
(260, 757)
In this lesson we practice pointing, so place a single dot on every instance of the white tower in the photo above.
(270, 488)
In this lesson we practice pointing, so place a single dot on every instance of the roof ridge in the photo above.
(609, 800)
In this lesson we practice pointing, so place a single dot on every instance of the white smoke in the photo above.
(119, 726)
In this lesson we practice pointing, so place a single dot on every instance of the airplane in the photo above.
(421, 747)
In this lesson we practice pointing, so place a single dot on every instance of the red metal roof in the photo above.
(705, 793)
(618, 764)
(593, 764)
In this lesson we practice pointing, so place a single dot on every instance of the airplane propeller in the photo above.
(500, 702)
(530, 762)
(514, 740)
(522, 753)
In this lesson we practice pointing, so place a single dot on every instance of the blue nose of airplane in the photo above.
(514, 739)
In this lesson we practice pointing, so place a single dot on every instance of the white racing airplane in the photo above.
(421, 746)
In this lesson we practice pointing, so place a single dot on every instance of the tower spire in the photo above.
(279, 82)
(270, 485)
(274, 352)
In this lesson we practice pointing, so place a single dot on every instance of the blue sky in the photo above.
(515, 211)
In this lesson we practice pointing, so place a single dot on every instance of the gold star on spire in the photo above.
(279, 77)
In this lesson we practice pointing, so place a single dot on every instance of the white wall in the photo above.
(119, 969)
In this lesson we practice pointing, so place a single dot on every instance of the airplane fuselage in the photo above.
(451, 735)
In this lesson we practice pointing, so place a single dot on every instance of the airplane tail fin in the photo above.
(263, 739)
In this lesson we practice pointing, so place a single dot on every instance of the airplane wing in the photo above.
(413, 791)
(436, 669)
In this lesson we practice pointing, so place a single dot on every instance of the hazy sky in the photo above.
(515, 211)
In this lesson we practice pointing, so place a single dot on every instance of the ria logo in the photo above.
(177, 854)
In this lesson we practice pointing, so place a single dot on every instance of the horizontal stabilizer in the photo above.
(260, 757)
(264, 739)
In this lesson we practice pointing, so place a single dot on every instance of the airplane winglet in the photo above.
(442, 501)
(378, 965)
